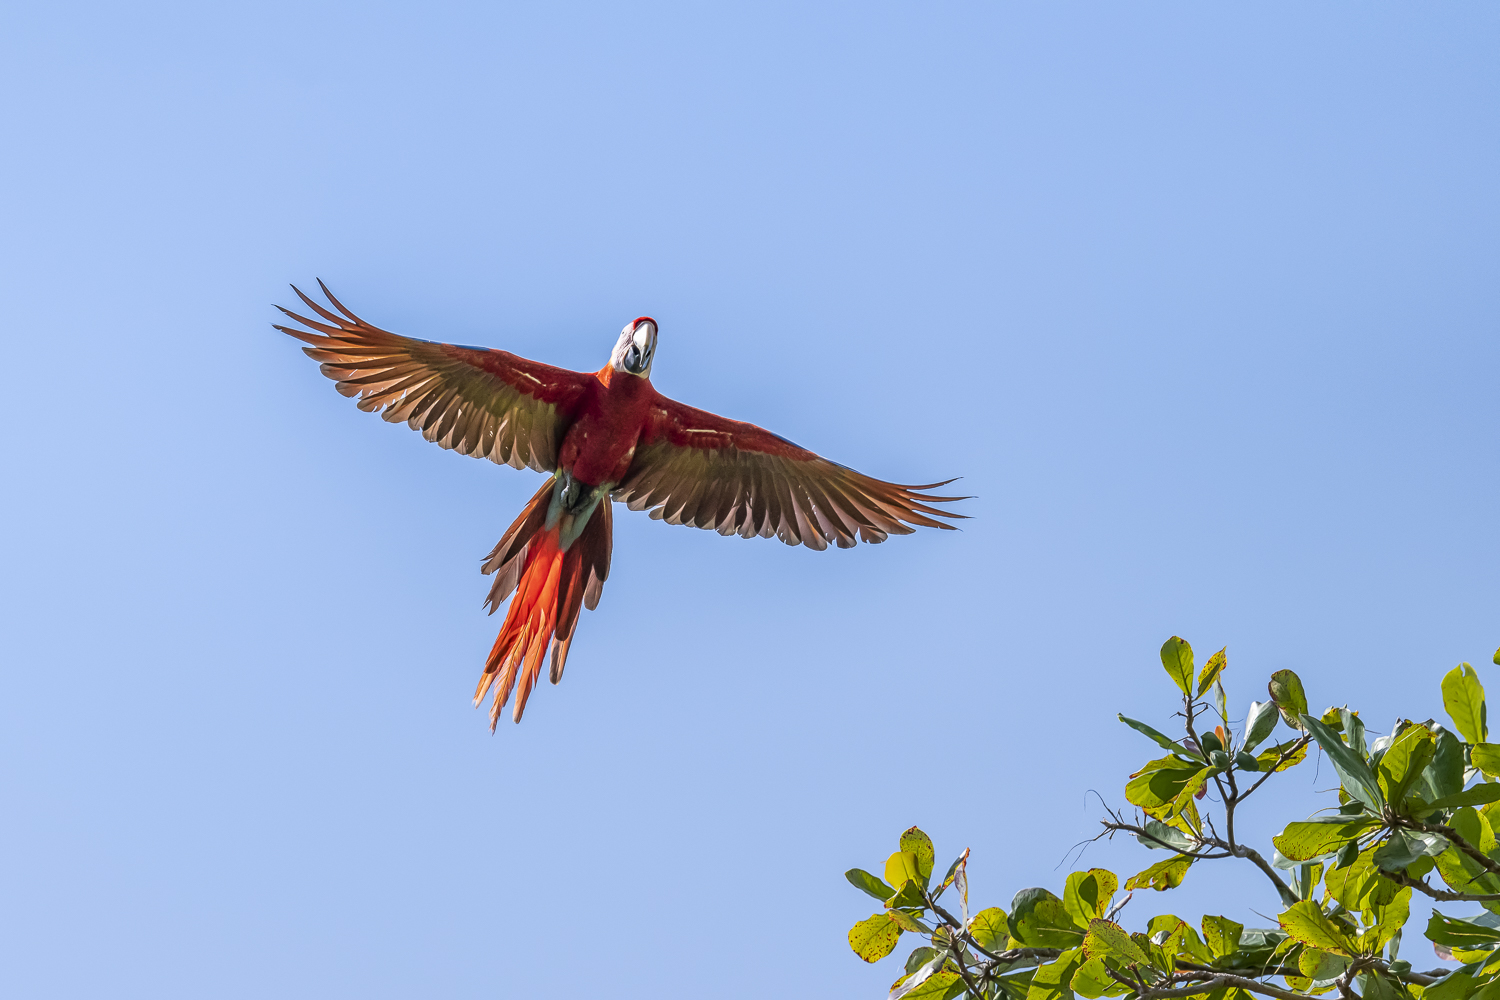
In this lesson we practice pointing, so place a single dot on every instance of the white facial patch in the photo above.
(637, 345)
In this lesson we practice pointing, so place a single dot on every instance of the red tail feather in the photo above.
(551, 584)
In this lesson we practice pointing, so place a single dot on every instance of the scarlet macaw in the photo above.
(605, 434)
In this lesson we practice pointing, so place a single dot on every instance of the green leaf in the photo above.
(1354, 731)
(1161, 837)
(1051, 980)
(1306, 922)
(1286, 691)
(1162, 740)
(1161, 876)
(1476, 796)
(1038, 919)
(1157, 785)
(1486, 757)
(1211, 671)
(1177, 657)
(1374, 986)
(1404, 848)
(1109, 940)
(1445, 775)
(919, 844)
(1460, 871)
(1092, 980)
(1454, 986)
(991, 929)
(863, 880)
(1404, 761)
(1321, 966)
(1496, 658)
(1259, 723)
(1359, 781)
(1463, 700)
(918, 958)
(1222, 935)
(873, 939)
(1315, 838)
(1457, 933)
(1086, 895)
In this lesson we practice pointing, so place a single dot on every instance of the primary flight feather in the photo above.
(604, 436)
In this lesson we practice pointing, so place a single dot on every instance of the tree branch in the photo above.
(1288, 897)
(1218, 979)
(1443, 895)
(963, 973)
(1454, 839)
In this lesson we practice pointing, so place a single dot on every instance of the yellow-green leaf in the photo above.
(1086, 895)
(919, 844)
(1039, 920)
(1389, 919)
(1405, 759)
(939, 984)
(1486, 757)
(1177, 657)
(1460, 871)
(1092, 980)
(1222, 935)
(1286, 691)
(1109, 940)
(1357, 886)
(990, 928)
(1211, 670)
(1051, 980)
(1161, 876)
(908, 922)
(1463, 700)
(873, 939)
(1305, 921)
(901, 868)
(1268, 758)
(1305, 841)
(1319, 965)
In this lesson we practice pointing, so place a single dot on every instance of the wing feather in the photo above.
(476, 401)
(692, 467)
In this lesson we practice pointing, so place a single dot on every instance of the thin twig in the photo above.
(1279, 761)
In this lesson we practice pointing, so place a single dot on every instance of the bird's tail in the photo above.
(554, 570)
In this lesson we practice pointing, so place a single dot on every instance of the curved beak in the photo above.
(638, 355)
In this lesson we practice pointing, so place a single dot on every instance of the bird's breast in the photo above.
(599, 446)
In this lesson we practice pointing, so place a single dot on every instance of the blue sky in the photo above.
(1200, 301)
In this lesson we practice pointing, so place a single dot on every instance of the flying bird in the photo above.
(604, 436)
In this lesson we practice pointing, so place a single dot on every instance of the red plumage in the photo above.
(605, 436)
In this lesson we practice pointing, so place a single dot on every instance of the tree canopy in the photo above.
(1418, 812)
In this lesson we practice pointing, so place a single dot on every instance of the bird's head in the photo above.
(636, 348)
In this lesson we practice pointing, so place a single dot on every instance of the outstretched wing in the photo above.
(474, 400)
(695, 468)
